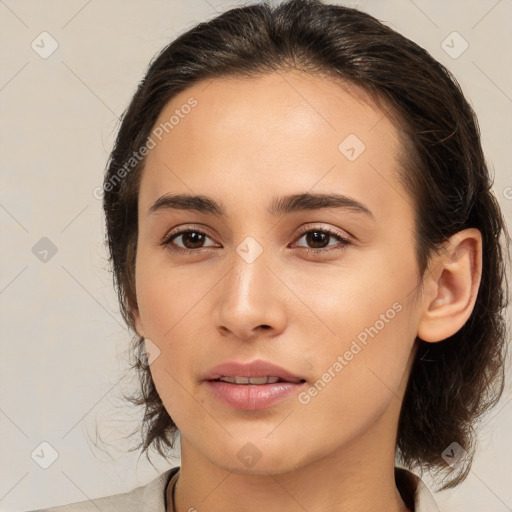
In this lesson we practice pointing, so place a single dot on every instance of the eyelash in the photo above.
(167, 242)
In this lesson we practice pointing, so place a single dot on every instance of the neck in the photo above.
(358, 477)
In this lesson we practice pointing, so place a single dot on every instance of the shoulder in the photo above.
(149, 497)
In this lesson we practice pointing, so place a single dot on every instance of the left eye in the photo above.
(320, 238)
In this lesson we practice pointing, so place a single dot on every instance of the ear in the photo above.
(451, 287)
(137, 321)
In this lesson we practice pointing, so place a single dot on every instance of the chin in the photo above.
(257, 457)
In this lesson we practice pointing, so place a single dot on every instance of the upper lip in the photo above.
(256, 368)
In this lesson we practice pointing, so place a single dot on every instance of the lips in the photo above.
(258, 368)
(252, 386)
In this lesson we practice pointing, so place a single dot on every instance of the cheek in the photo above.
(367, 290)
(171, 310)
(170, 304)
(364, 326)
(359, 377)
(167, 296)
(181, 343)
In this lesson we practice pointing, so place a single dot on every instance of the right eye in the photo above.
(191, 240)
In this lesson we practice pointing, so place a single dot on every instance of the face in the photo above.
(325, 290)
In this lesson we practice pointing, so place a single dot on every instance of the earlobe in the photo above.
(452, 287)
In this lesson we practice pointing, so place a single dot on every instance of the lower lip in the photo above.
(252, 397)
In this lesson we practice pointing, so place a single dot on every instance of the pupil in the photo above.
(317, 237)
(196, 239)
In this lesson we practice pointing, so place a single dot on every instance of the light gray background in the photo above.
(64, 347)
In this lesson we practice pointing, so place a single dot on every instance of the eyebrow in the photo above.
(279, 205)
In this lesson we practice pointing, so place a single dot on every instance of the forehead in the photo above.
(289, 102)
(283, 131)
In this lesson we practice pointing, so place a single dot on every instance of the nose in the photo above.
(251, 301)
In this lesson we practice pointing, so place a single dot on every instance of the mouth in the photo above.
(256, 380)
(252, 385)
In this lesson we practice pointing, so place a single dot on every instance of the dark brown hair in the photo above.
(452, 382)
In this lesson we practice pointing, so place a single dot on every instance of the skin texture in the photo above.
(247, 141)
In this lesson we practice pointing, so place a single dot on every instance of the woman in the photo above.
(305, 242)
